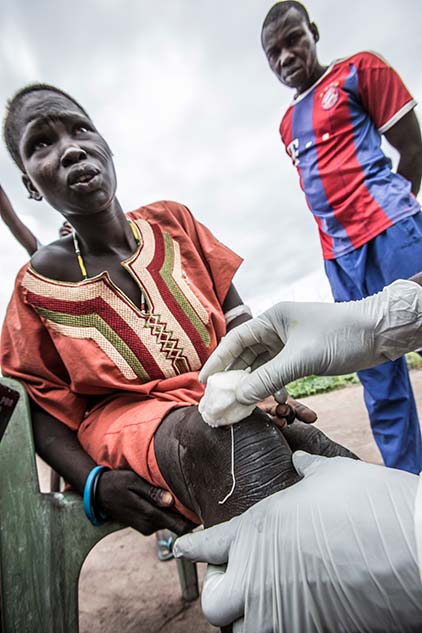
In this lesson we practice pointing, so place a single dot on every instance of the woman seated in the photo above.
(107, 329)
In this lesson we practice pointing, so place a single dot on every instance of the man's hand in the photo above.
(405, 137)
(336, 551)
(129, 499)
(292, 340)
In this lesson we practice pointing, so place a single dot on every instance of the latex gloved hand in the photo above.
(292, 340)
(334, 553)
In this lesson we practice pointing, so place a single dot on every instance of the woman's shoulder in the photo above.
(160, 210)
(56, 260)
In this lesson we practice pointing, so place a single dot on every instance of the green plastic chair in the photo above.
(44, 537)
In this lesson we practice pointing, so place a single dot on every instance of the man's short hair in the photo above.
(281, 8)
(13, 108)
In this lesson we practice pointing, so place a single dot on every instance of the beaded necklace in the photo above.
(82, 266)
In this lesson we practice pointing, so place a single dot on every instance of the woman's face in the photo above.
(64, 156)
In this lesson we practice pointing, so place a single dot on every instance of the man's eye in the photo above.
(293, 39)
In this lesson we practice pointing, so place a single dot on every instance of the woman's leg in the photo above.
(195, 461)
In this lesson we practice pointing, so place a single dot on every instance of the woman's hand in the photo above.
(129, 499)
(291, 410)
(121, 494)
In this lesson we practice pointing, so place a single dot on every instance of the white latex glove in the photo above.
(335, 553)
(292, 340)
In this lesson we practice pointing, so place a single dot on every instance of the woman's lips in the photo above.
(87, 184)
(84, 177)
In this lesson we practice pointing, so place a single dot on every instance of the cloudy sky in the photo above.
(182, 91)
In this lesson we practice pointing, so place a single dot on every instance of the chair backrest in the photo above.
(17, 451)
(44, 538)
(8, 400)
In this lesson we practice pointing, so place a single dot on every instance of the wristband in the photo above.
(89, 496)
(237, 311)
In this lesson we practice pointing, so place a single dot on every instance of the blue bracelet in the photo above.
(89, 496)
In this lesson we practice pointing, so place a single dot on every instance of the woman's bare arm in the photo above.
(122, 494)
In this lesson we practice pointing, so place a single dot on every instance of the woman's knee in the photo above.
(261, 460)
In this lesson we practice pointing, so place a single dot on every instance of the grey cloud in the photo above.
(184, 95)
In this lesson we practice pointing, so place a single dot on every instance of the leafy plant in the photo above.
(322, 384)
(414, 361)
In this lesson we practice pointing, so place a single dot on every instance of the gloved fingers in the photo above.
(211, 545)
(281, 395)
(220, 604)
(251, 357)
(239, 626)
(262, 382)
(257, 356)
(231, 347)
(305, 463)
(249, 335)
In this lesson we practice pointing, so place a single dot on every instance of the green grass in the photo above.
(321, 384)
(414, 361)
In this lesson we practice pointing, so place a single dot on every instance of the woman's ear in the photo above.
(33, 192)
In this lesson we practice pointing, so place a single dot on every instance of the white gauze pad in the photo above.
(218, 405)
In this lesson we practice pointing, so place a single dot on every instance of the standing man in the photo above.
(369, 221)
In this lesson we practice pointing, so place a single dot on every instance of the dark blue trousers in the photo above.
(394, 254)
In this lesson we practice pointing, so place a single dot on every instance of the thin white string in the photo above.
(232, 471)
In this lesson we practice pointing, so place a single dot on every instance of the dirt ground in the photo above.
(125, 589)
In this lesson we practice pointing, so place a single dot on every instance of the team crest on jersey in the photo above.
(330, 96)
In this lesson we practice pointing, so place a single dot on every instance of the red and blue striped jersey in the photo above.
(332, 132)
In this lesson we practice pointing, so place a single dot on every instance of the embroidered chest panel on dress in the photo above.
(170, 338)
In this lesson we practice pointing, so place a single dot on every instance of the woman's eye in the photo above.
(81, 129)
(39, 145)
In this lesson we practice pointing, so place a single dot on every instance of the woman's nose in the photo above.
(72, 154)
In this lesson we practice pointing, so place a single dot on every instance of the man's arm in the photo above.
(16, 226)
(405, 137)
(292, 340)
(340, 540)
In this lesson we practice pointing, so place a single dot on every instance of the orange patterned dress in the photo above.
(105, 368)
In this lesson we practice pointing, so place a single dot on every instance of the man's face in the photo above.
(290, 46)
(64, 156)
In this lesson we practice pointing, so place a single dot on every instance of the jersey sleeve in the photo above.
(382, 92)
(221, 262)
(29, 355)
